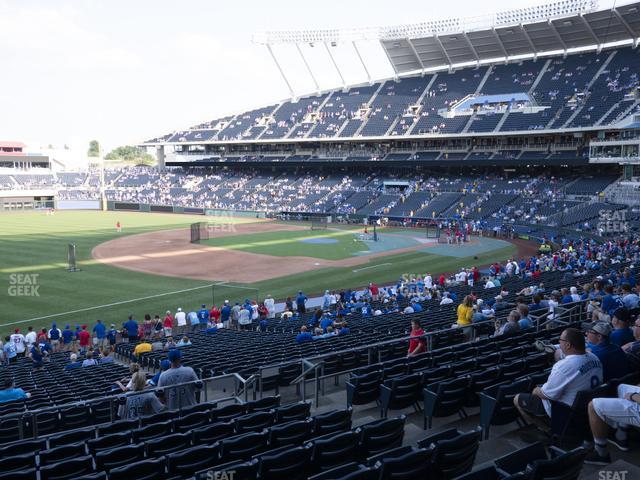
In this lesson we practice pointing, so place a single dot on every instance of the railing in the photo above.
(315, 363)
(302, 379)
(240, 387)
(564, 314)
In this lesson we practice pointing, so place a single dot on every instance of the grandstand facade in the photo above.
(526, 90)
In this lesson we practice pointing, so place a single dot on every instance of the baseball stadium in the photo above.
(432, 275)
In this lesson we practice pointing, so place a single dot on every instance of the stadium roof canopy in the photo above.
(553, 27)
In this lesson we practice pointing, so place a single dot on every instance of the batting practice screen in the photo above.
(199, 232)
(319, 223)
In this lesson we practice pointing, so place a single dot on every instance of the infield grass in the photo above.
(34, 244)
(295, 243)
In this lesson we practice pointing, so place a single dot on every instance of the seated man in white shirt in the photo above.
(578, 370)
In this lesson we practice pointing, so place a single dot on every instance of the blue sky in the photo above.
(123, 71)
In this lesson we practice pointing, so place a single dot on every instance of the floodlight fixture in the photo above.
(518, 16)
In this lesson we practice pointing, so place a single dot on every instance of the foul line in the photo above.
(371, 266)
(230, 285)
(110, 304)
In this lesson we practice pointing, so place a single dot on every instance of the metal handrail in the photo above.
(311, 367)
(562, 311)
(247, 383)
(368, 348)
(118, 397)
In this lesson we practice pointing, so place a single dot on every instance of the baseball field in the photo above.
(151, 266)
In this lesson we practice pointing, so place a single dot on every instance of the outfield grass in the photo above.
(289, 243)
(32, 243)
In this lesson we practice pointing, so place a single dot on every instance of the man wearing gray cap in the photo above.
(613, 359)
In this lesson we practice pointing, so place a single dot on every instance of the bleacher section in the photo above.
(561, 94)
(484, 197)
(69, 428)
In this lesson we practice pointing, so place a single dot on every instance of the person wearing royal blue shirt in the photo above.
(225, 314)
(612, 357)
(621, 334)
(263, 324)
(132, 329)
(45, 348)
(10, 393)
(326, 322)
(301, 300)
(164, 366)
(536, 305)
(416, 307)
(100, 330)
(627, 278)
(566, 296)
(610, 302)
(74, 363)
(366, 310)
(344, 330)
(347, 296)
(112, 335)
(67, 337)
(54, 336)
(36, 356)
(525, 322)
(203, 316)
(304, 336)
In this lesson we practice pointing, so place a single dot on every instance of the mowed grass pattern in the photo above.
(32, 243)
(289, 243)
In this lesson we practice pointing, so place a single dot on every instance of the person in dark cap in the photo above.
(614, 361)
(621, 334)
(181, 396)
(164, 366)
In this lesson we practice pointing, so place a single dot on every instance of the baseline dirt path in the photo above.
(170, 253)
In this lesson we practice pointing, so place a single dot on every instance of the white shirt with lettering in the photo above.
(569, 376)
(18, 340)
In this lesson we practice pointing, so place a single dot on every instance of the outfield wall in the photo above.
(78, 205)
(144, 207)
